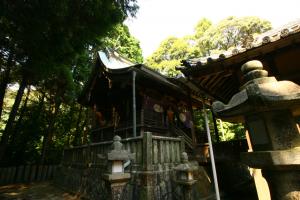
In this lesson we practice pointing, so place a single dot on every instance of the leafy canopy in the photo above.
(48, 34)
(120, 40)
(207, 39)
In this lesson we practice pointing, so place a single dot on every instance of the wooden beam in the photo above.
(212, 80)
(204, 80)
(220, 78)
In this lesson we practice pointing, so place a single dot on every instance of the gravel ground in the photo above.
(35, 191)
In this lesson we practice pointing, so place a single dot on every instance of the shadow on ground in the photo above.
(35, 191)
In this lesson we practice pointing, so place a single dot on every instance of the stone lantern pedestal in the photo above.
(115, 177)
(185, 177)
(268, 107)
(115, 184)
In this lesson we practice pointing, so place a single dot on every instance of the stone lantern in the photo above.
(185, 176)
(115, 176)
(268, 108)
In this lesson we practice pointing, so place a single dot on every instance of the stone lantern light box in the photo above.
(184, 171)
(117, 157)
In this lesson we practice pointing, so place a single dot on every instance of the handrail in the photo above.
(165, 138)
(186, 138)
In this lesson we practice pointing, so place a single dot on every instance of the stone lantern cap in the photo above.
(260, 93)
(185, 166)
(117, 152)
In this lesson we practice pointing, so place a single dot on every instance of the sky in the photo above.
(158, 19)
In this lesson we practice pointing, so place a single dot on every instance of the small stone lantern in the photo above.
(268, 108)
(185, 176)
(115, 177)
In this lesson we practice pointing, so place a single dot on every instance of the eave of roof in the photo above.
(113, 64)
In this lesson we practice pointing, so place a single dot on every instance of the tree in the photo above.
(202, 27)
(200, 47)
(44, 38)
(120, 40)
(230, 131)
(207, 39)
(233, 32)
(50, 118)
(169, 55)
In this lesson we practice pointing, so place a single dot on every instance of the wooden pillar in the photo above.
(147, 151)
(133, 104)
(250, 149)
(215, 127)
(182, 144)
(142, 122)
(194, 139)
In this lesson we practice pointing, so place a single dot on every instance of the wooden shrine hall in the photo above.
(129, 99)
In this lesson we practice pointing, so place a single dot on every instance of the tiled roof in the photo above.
(261, 40)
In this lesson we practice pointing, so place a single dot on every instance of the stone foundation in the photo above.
(88, 182)
(151, 169)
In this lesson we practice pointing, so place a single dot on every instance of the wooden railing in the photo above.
(166, 150)
(150, 152)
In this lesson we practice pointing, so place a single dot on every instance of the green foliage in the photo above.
(51, 45)
(120, 40)
(50, 33)
(44, 38)
(9, 100)
(230, 131)
(169, 55)
(30, 132)
(232, 32)
(226, 131)
(207, 39)
(202, 27)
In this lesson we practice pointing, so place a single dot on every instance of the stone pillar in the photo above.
(268, 108)
(115, 177)
(185, 177)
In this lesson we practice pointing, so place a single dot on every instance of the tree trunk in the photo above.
(5, 80)
(49, 135)
(21, 115)
(11, 119)
(77, 132)
(86, 126)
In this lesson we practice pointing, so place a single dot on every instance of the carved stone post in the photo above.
(268, 108)
(185, 177)
(115, 177)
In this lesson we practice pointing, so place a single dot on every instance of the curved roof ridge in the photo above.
(112, 60)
